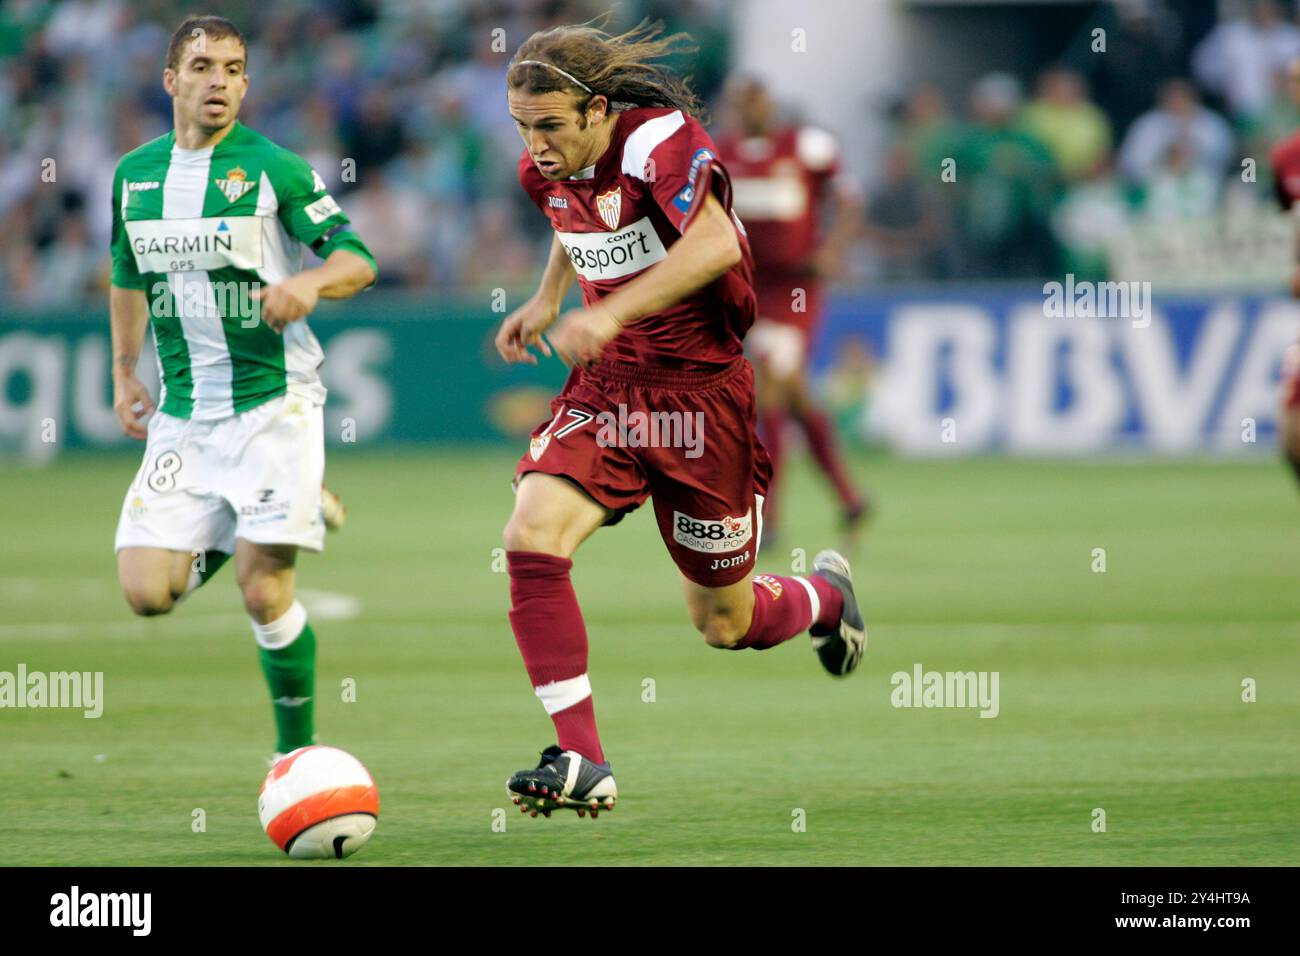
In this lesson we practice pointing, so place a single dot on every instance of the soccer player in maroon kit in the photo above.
(616, 159)
(783, 177)
(1285, 160)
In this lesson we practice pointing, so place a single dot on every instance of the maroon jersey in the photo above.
(620, 216)
(1285, 159)
(780, 182)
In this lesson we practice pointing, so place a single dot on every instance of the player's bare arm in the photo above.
(707, 249)
(523, 328)
(846, 226)
(128, 320)
(342, 275)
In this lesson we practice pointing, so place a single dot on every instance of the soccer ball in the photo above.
(318, 803)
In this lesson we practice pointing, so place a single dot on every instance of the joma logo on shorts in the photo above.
(713, 536)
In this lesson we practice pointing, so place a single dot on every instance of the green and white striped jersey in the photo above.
(199, 230)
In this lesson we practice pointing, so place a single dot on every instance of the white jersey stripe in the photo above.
(210, 365)
(281, 258)
(278, 263)
(193, 295)
(643, 140)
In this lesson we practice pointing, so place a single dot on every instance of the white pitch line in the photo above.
(19, 588)
(129, 628)
(329, 605)
(321, 606)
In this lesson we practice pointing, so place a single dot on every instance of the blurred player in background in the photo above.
(617, 160)
(784, 178)
(207, 226)
(1285, 160)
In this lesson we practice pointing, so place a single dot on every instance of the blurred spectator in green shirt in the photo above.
(1007, 183)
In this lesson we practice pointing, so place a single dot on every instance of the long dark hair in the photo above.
(619, 67)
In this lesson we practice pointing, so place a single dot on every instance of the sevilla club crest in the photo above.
(610, 207)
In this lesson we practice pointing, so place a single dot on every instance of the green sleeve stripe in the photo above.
(350, 241)
(125, 273)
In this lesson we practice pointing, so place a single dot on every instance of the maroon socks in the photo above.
(552, 638)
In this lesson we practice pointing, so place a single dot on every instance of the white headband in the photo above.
(551, 66)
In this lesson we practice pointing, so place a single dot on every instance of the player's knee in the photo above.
(1290, 441)
(266, 597)
(525, 533)
(148, 598)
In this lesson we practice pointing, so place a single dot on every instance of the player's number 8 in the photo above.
(163, 477)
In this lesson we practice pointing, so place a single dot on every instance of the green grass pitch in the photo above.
(1119, 690)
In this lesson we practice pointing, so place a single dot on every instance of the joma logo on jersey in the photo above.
(235, 184)
(598, 256)
(713, 536)
(610, 207)
(557, 202)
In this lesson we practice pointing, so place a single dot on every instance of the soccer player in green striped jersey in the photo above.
(208, 227)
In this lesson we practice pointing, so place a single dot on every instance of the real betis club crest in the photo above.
(235, 184)
(610, 206)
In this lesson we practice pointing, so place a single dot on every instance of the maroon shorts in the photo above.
(1291, 379)
(624, 433)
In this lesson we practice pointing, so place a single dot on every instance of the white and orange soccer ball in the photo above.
(318, 803)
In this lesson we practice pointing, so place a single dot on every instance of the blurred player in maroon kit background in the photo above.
(616, 158)
(1285, 160)
(784, 176)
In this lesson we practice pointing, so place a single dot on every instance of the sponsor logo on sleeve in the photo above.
(687, 195)
(322, 209)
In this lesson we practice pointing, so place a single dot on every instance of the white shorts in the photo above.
(777, 348)
(256, 475)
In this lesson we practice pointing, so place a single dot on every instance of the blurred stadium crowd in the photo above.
(1050, 165)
